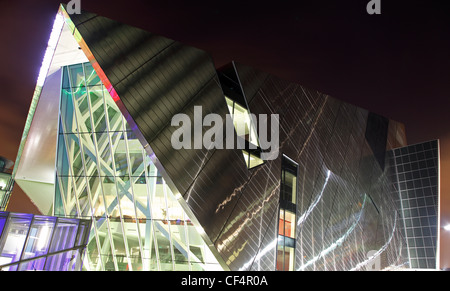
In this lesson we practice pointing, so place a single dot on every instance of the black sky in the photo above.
(396, 64)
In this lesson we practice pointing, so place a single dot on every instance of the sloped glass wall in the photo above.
(103, 172)
(37, 242)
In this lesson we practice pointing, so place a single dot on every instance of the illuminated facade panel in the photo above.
(42, 243)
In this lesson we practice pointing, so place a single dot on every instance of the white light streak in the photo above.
(337, 243)
(269, 247)
(376, 254)
(51, 46)
(316, 201)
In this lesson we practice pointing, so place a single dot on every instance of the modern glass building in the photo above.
(97, 145)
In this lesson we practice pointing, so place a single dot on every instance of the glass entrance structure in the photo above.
(42, 243)
(103, 172)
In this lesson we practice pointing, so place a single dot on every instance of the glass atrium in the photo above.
(36, 242)
(104, 172)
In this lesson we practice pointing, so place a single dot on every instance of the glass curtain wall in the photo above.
(104, 172)
(6, 182)
(245, 130)
(36, 242)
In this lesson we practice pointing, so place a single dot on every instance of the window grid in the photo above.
(418, 183)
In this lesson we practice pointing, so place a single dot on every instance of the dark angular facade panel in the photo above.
(376, 135)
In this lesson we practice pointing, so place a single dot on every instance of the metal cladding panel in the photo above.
(376, 135)
(396, 135)
(417, 171)
(38, 162)
(253, 220)
(36, 168)
(216, 190)
(344, 198)
(184, 165)
(250, 79)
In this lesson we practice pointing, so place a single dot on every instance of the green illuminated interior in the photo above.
(103, 172)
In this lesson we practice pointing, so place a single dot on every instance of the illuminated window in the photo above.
(289, 181)
(242, 122)
(252, 160)
(286, 217)
(245, 129)
(286, 223)
(285, 254)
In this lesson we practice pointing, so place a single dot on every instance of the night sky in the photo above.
(395, 64)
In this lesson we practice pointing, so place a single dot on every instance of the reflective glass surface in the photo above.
(417, 171)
